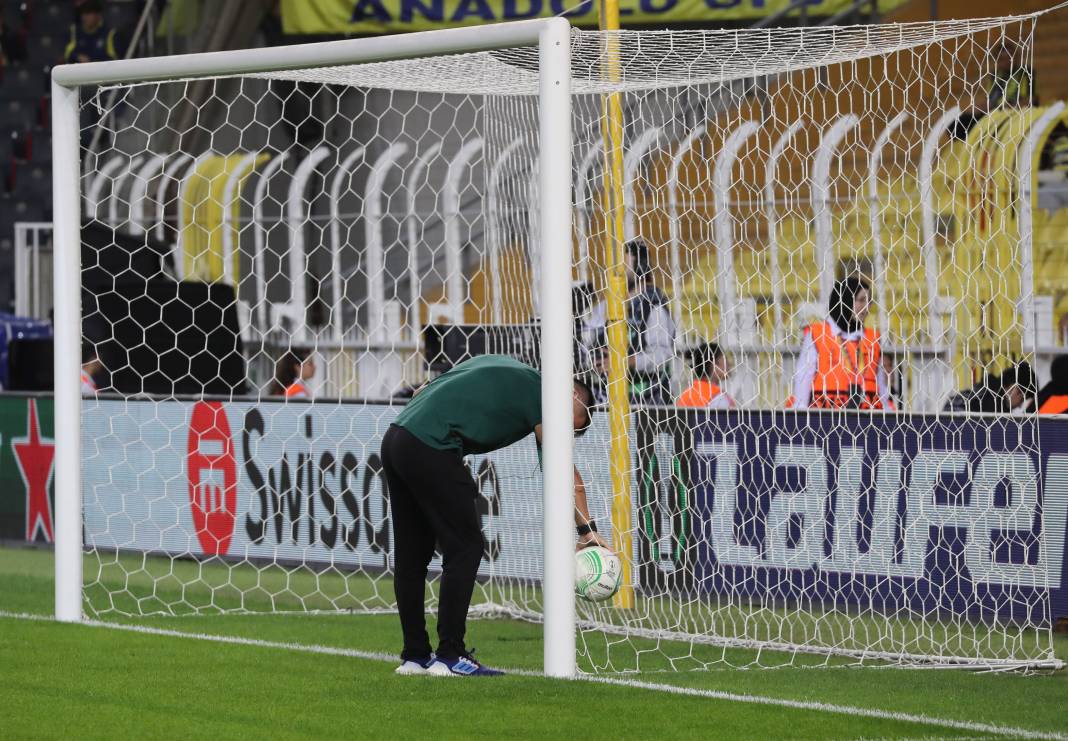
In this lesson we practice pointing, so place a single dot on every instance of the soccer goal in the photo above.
(274, 247)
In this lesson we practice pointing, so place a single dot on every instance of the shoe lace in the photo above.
(469, 654)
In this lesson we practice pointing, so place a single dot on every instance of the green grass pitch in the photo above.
(323, 676)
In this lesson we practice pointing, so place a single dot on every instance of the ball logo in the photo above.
(212, 473)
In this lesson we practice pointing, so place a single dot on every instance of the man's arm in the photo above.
(582, 509)
(582, 516)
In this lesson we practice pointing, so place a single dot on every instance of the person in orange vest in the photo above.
(711, 369)
(1053, 398)
(291, 374)
(841, 361)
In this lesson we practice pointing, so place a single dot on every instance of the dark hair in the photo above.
(89, 6)
(703, 358)
(637, 249)
(89, 353)
(1058, 381)
(840, 308)
(1058, 369)
(589, 400)
(287, 369)
(1020, 375)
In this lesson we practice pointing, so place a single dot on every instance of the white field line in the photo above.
(822, 707)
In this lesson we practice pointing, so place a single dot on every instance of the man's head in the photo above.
(710, 362)
(582, 402)
(639, 269)
(91, 15)
(1018, 384)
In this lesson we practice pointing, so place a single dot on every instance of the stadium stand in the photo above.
(905, 307)
(25, 135)
(775, 317)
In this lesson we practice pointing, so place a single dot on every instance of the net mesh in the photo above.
(272, 263)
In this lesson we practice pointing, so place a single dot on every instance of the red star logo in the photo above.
(34, 457)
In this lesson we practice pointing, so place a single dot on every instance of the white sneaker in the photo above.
(409, 667)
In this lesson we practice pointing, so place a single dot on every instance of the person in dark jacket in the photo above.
(1053, 397)
(90, 38)
(650, 332)
(12, 43)
(999, 394)
(1011, 84)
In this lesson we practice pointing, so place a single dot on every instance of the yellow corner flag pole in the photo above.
(616, 323)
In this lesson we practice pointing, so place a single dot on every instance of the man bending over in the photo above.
(479, 406)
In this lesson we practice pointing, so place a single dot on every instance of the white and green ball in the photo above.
(598, 573)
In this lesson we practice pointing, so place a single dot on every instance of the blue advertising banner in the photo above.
(959, 515)
(895, 513)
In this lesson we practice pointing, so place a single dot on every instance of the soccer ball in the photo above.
(598, 573)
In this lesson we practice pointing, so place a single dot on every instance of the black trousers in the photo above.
(432, 498)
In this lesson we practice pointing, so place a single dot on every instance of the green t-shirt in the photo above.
(482, 404)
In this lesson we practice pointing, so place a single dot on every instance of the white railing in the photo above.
(738, 331)
(33, 269)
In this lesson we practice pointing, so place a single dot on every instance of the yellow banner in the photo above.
(352, 17)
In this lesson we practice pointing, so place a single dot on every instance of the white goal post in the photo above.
(552, 37)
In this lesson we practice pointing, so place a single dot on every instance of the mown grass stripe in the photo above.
(808, 705)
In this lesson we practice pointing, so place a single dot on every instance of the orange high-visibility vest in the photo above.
(700, 394)
(297, 390)
(1055, 405)
(844, 368)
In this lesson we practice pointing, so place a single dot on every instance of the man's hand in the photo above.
(590, 539)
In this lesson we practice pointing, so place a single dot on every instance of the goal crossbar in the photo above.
(305, 56)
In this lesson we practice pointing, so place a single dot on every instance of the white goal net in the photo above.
(272, 262)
